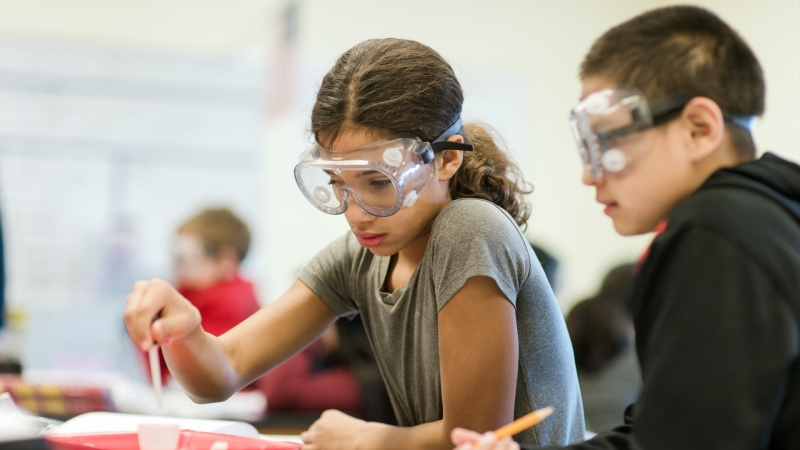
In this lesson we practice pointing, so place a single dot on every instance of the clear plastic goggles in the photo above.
(607, 127)
(381, 177)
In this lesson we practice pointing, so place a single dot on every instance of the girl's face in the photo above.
(386, 236)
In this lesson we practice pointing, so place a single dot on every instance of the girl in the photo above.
(464, 326)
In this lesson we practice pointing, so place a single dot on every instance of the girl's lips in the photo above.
(370, 240)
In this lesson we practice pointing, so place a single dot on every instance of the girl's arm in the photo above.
(213, 368)
(478, 358)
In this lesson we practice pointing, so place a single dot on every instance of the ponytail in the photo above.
(488, 173)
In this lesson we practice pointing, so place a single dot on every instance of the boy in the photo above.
(663, 127)
(209, 249)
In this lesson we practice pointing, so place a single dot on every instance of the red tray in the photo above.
(189, 440)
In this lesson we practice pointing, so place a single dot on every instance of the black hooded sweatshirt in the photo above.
(716, 307)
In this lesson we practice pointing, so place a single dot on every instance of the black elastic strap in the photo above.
(664, 109)
(446, 145)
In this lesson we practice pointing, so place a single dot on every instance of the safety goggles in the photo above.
(606, 126)
(380, 178)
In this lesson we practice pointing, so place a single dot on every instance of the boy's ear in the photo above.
(450, 160)
(705, 127)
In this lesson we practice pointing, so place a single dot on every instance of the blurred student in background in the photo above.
(601, 330)
(337, 371)
(209, 249)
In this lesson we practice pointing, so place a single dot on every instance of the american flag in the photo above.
(281, 79)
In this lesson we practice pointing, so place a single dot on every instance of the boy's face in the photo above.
(194, 268)
(638, 199)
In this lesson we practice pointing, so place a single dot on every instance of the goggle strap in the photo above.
(665, 108)
(447, 145)
(454, 128)
(746, 122)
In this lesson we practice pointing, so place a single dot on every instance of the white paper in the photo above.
(105, 422)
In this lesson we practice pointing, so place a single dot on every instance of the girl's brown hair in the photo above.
(392, 86)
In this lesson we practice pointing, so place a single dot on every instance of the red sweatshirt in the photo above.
(224, 305)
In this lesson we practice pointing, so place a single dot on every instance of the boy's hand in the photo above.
(176, 317)
(470, 440)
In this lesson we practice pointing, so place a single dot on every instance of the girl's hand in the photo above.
(470, 440)
(334, 430)
(177, 318)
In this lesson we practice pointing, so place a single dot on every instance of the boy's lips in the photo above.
(610, 207)
(370, 240)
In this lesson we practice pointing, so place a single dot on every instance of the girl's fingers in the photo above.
(138, 330)
(146, 301)
(175, 326)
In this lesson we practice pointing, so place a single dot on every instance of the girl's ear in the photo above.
(450, 160)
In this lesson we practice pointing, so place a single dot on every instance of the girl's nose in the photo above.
(356, 215)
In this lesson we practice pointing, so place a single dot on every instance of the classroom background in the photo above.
(119, 119)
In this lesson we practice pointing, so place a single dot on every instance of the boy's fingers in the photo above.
(509, 444)
(487, 441)
(506, 444)
(462, 436)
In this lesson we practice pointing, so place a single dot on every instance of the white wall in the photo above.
(102, 156)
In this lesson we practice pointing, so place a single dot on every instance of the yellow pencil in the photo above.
(523, 423)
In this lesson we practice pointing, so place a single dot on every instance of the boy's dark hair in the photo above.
(217, 228)
(683, 48)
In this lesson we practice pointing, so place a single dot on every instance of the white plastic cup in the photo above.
(159, 436)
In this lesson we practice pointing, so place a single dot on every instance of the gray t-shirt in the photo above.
(469, 238)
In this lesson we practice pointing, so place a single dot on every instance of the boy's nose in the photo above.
(588, 179)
